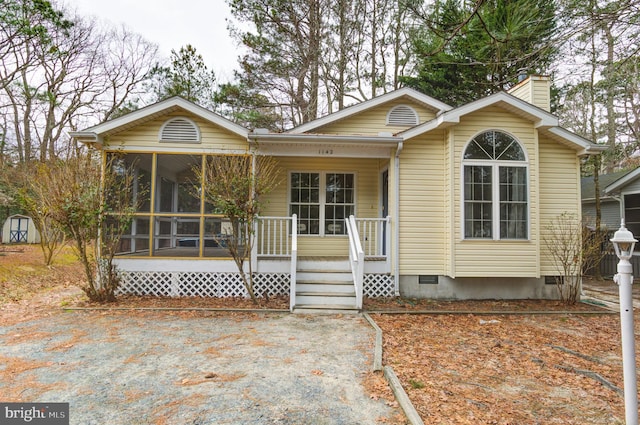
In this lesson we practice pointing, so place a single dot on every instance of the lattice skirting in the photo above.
(224, 285)
(201, 284)
(379, 285)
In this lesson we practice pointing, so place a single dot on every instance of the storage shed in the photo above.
(19, 229)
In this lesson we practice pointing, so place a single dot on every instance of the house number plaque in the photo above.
(325, 151)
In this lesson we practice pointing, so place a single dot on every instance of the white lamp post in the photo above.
(623, 242)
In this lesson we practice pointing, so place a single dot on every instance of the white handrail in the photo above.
(356, 258)
(294, 260)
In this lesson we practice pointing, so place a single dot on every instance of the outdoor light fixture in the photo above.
(623, 242)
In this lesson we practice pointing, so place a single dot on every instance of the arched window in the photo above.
(402, 115)
(180, 129)
(495, 192)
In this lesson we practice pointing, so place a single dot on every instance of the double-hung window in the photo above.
(321, 201)
(495, 188)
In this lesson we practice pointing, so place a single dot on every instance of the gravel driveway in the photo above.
(155, 368)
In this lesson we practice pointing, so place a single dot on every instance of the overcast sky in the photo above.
(172, 24)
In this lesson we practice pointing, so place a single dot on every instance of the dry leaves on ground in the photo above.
(515, 369)
(456, 368)
(24, 274)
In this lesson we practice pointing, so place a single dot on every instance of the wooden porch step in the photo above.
(326, 298)
(325, 309)
(324, 287)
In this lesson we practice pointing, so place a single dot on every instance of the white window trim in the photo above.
(322, 198)
(495, 189)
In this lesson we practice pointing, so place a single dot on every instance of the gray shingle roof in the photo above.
(588, 187)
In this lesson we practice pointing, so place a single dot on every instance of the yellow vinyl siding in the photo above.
(148, 136)
(559, 190)
(535, 90)
(450, 201)
(422, 205)
(522, 91)
(542, 95)
(367, 173)
(373, 121)
(495, 258)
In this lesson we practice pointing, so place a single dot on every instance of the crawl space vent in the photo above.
(180, 130)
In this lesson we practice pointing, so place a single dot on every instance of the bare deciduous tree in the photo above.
(29, 189)
(78, 75)
(93, 218)
(573, 248)
(234, 185)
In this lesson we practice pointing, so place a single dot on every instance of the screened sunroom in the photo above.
(171, 218)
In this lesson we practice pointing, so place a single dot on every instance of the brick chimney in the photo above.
(535, 89)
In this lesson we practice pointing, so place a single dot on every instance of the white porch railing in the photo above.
(275, 239)
(356, 258)
(294, 261)
(273, 236)
(375, 237)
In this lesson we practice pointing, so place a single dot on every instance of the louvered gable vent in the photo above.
(402, 115)
(180, 130)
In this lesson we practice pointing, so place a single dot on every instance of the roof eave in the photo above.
(622, 181)
(89, 138)
(163, 106)
(582, 145)
(380, 141)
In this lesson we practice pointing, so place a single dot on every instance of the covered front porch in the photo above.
(325, 229)
(338, 282)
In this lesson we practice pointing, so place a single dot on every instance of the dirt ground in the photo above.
(493, 362)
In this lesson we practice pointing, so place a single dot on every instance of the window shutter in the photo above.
(180, 130)
(402, 115)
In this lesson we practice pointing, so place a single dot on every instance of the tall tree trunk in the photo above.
(342, 55)
(597, 163)
(610, 91)
(374, 46)
(315, 19)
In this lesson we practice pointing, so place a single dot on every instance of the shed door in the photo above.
(18, 230)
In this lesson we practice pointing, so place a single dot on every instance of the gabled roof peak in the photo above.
(413, 94)
(93, 134)
(542, 118)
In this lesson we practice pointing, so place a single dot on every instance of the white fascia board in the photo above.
(541, 117)
(88, 138)
(622, 181)
(279, 138)
(371, 103)
(441, 121)
(197, 150)
(162, 106)
(85, 136)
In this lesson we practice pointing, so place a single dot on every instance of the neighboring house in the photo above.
(448, 203)
(19, 229)
(619, 198)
